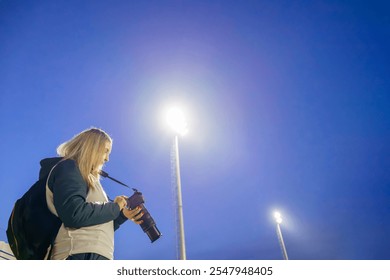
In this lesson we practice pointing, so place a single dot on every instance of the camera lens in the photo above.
(153, 233)
(148, 225)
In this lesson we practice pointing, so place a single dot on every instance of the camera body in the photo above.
(148, 225)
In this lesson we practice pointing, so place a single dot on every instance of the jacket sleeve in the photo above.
(69, 195)
(120, 220)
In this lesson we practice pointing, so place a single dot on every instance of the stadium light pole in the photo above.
(278, 220)
(176, 120)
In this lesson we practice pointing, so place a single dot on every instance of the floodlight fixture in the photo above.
(278, 217)
(177, 121)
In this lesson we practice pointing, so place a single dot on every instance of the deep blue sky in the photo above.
(288, 108)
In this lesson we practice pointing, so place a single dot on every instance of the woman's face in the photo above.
(106, 155)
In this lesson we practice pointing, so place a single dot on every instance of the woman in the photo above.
(75, 195)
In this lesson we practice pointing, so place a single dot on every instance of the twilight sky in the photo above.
(288, 106)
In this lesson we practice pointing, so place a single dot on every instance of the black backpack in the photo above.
(32, 228)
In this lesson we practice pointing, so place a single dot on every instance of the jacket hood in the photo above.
(46, 165)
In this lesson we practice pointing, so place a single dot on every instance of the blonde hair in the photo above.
(86, 149)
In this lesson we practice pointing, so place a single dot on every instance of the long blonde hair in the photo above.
(86, 149)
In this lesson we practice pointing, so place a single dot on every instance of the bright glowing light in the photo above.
(278, 217)
(176, 120)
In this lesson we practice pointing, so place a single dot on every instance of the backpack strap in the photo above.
(50, 205)
(49, 194)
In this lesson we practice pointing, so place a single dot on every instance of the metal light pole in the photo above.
(178, 123)
(278, 219)
(182, 245)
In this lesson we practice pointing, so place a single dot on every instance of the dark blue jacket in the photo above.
(69, 194)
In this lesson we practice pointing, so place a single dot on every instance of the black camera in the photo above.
(148, 225)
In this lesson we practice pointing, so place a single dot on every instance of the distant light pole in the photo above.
(176, 120)
(278, 219)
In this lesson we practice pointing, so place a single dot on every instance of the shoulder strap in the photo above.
(49, 193)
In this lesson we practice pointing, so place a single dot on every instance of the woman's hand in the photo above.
(134, 214)
(121, 201)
